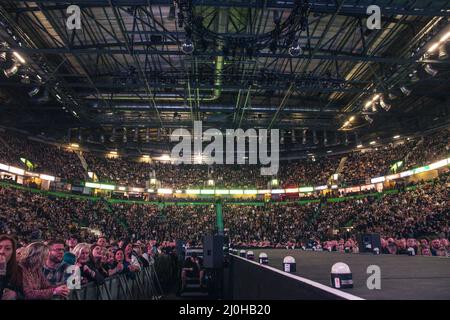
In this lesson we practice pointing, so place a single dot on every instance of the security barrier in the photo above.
(142, 285)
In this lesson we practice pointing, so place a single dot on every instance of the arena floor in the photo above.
(402, 277)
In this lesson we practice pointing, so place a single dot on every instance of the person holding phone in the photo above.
(10, 272)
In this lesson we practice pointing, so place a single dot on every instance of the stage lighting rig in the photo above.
(282, 35)
(368, 119)
(443, 54)
(405, 90)
(188, 46)
(33, 92)
(295, 50)
(430, 70)
(386, 106)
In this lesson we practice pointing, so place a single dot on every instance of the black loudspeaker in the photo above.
(369, 241)
(179, 248)
(213, 251)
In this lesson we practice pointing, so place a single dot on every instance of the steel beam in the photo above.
(317, 6)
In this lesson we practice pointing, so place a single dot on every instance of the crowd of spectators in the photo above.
(311, 171)
(38, 216)
(414, 221)
(45, 158)
(40, 269)
(358, 168)
(361, 166)
(421, 213)
(434, 147)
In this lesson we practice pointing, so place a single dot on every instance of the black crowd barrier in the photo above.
(249, 281)
(143, 286)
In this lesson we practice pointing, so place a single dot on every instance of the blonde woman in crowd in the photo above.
(35, 285)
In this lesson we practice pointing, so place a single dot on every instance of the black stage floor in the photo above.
(402, 277)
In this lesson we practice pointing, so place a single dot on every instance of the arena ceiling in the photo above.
(127, 77)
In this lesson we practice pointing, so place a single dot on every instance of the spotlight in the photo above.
(188, 47)
(414, 77)
(384, 105)
(171, 15)
(11, 71)
(315, 140)
(125, 139)
(392, 96)
(33, 92)
(19, 57)
(368, 119)
(429, 69)
(295, 50)
(443, 54)
(405, 90)
(25, 79)
(3, 57)
(44, 97)
(276, 17)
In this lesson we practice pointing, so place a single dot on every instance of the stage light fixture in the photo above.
(188, 47)
(445, 37)
(368, 119)
(433, 47)
(391, 96)
(19, 57)
(25, 79)
(315, 140)
(113, 135)
(443, 54)
(429, 69)
(295, 50)
(413, 76)
(171, 15)
(9, 72)
(406, 91)
(384, 105)
(125, 139)
(33, 92)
